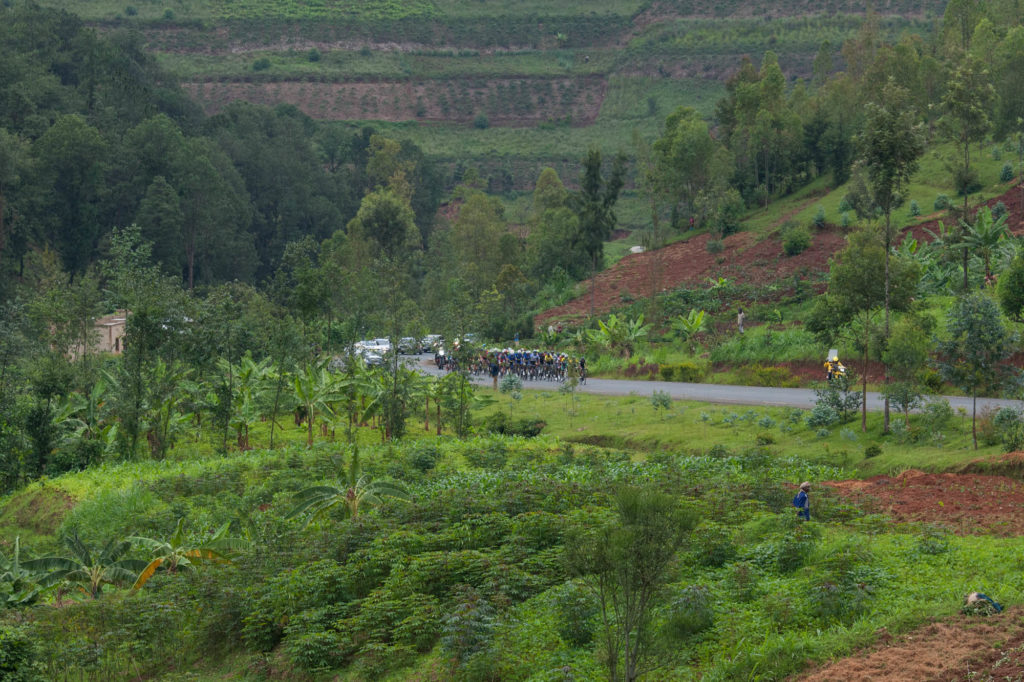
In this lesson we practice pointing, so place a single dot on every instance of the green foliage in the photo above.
(687, 371)
(1006, 174)
(576, 612)
(18, 655)
(690, 612)
(261, 64)
(977, 346)
(500, 423)
(915, 208)
(837, 399)
(941, 202)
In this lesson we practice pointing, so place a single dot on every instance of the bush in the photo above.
(423, 456)
(796, 240)
(261, 64)
(713, 544)
(575, 610)
(481, 122)
(937, 414)
(686, 371)
(691, 612)
(760, 375)
(915, 208)
(822, 415)
(131, 11)
(18, 656)
(715, 246)
(491, 456)
(169, 14)
(1009, 426)
(845, 220)
(1006, 174)
(999, 210)
(873, 450)
(500, 423)
(941, 202)
(313, 55)
(819, 218)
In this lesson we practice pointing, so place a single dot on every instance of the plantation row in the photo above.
(495, 563)
(575, 101)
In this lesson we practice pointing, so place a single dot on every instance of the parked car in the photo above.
(430, 343)
(408, 345)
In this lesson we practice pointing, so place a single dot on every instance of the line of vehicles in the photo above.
(372, 351)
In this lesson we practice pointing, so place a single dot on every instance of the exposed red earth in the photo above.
(745, 258)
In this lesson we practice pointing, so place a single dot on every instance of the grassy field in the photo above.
(633, 422)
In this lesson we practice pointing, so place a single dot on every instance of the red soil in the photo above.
(962, 648)
(745, 258)
(965, 503)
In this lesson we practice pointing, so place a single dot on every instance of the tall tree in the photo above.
(972, 357)
(890, 147)
(594, 206)
(856, 290)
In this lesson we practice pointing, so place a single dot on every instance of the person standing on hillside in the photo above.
(740, 316)
(801, 502)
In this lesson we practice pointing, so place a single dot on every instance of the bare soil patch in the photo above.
(962, 648)
(744, 258)
(968, 504)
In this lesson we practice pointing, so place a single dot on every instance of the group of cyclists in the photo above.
(528, 365)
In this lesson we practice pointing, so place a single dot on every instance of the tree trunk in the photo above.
(864, 393)
(885, 367)
(974, 416)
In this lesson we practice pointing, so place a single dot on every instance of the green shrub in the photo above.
(313, 55)
(131, 10)
(18, 656)
(941, 202)
(481, 122)
(713, 544)
(500, 423)
(686, 371)
(796, 240)
(761, 375)
(1006, 174)
(423, 456)
(936, 414)
(690, 612)
(915, 208)
(873, 450)
(169, 14)
(845, 219)
(819, 218)
(261, 64)
(575, 611)
(715, 246)
(999, 210)
(492, 455)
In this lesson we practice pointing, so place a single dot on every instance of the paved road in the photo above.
(803, 398)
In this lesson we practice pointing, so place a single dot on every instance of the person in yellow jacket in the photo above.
(833, 368)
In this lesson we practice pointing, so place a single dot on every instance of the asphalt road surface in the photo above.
(803, 398)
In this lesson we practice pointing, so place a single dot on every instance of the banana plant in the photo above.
(315, 391)
(21, 579)
(184, 552)
(688, 326)
(355, 491)
(89, 569)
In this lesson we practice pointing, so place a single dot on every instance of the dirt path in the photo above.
(963, 648)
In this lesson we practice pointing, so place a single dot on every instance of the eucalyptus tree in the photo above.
(856, 290)
(973, 356)
(891, 144)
